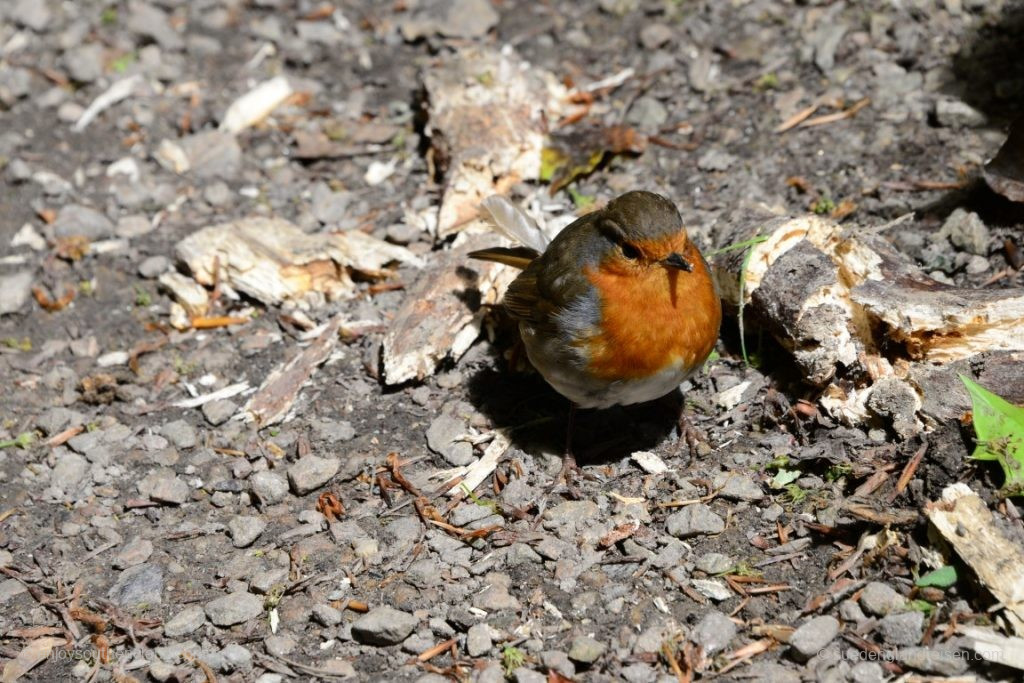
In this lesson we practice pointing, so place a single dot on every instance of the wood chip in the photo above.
(995, 647)
(272, 260)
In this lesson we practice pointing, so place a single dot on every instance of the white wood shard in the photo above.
(256, 105)
(967, 524)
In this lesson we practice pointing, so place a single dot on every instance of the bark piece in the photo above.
(273, 261)
(487, 126)
(443, 313)
(275, 397)
(967, 524)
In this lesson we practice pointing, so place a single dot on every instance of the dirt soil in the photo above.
(156, 542)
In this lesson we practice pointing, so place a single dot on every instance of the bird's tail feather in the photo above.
(517, 257)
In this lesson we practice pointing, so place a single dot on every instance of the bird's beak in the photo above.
(674, 260)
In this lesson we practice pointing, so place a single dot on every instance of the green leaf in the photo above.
(943, 577)
(784, 477)
(999, 428)
(921, 606)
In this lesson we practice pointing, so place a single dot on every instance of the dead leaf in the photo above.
(53, 305)
(619, 533)
(30, 656)
(568, 156)
(71, 248)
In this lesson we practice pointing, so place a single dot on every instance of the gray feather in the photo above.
(512, 222)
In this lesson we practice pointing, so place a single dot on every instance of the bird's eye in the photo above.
(630, 252)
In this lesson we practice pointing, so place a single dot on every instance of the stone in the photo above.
(332, 431)
(478, 640)
(217, 194)
(556, 660)
(466, 513)
(958, 114)
(879, 599)
(867, 672)
(715, 160)
(234, 608)
(185, 622)
(169, 489)
(826, 41)
(75, 219)
(212, 154)
(135, 553)
(68, 472)
(329, 207)
(279, 644)
(269, 487)
(152, 22)
(14, 290)
(525, 675)
(220, 411)
(245, 529)
(738, 486)
(713, 632)
(310, 472)
(236, 658)
(384, 626)
(976, 265)
(714, 563)
(137, 586)
(903, 628)
(813, 636)
(84, 63)
(945, 661)
(154, 266)
(694, 520)
(31, 14)
(495, 596)
(327, 615)
(647, 114)
(133, 226)
(586, 650)
(655, 35)
(180, 433)
(967, 231)
(444, 437)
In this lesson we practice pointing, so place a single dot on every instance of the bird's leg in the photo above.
(569, 466)
(689, 435)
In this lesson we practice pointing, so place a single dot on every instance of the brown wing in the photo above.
(555, 280)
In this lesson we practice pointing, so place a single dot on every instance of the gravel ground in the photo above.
(197, 539)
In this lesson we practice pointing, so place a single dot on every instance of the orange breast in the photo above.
(654, 318)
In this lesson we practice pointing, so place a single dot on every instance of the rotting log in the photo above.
(869, 329)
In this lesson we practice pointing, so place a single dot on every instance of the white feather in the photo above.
(513, 222)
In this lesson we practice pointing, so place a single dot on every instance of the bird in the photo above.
(618, 308)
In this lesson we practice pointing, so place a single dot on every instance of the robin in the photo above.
(618, 308)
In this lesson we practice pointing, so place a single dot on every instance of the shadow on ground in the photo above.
(535, 417)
